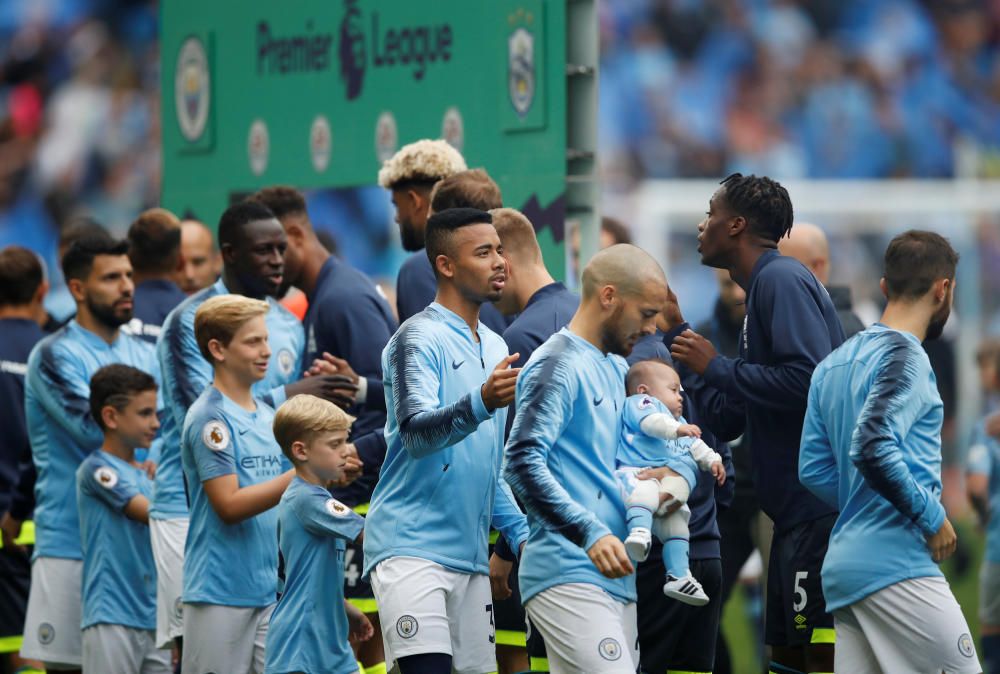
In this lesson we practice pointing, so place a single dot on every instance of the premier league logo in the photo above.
(610, 649)
(406, 626)
(352, 50)
(106, 477)
(521, 70)
(215, 435)
(191, 89)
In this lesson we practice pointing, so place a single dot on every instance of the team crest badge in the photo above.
(386, 136)
(965, 646)
(46, 633)
(320, 142)
(406, 626)
(521, 70)
(645, 403)
(336, 508)
(286, 362)
(610, 649)
(191, 89)
(106, 477)
(178, 608)
(258, 147)
(453, 129)
(215, 435)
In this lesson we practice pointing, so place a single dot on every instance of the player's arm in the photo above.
(185, 372)
(704, 455)
(234, 504)
(507, 517)
(886, 418)
(326, 516)
(799, 341)
(979, 467)
(62, 386)
(425, 425)
(106, 484)
(137, 509)
(818, 470)
(545, 394)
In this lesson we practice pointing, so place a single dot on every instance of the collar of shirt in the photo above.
(881, 327)
(92, 339)
(597, 353)
(455, 321)
(328, 268)
(545, 291)
(767, 258)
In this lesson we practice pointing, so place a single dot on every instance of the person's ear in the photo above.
(884, 287)
(228, 252)
(607, 295)
(109, 415)
(217, 350)
(737, 225)
(942, 289)
(642, 389)
(299, 451)
(76, 289)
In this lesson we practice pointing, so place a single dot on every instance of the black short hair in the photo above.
(79, 258)
(281, 200)
(21, 274)
(116, 385)
(762, 202)
(238, 216)
(441, 226)
(154, 242)
(617, 229)
(916, 259)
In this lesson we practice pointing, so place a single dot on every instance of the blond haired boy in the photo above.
(235, 475)
(312, 625)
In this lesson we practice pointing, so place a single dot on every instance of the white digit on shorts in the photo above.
(800, 592)
(351, 572)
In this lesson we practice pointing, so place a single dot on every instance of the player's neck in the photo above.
(303, 472)
(311, 267)
(29, 311)
(449, 297)
(234, 388)
(911, 317)
(114, 446)
(584, 325)
(744, 260)
(234, 286)
(534, 279)
(88, 321)
(138, 277)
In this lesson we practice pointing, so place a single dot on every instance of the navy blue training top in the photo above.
(416, 287)
(791, 325)
(350, 318)
(153, 300)
(704, 498)
(17, 472)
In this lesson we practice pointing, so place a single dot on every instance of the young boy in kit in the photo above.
(313, 626)
(655, 434)
(235, 475)
(113, 491)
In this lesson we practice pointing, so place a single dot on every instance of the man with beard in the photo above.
(253, 245)
(440, 488)
(63, 433)
(790, 326)
(410, 175)
(871, 447)
(575, 576)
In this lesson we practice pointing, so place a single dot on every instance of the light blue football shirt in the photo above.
(186, 374)
(639, 450)
(871, 447)
(119, 576)
(440, 488)
(984, 459)
(309, 626)
(561, 462)
(230, 564)
(62, 431)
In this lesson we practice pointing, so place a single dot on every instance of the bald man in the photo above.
(576, 578)
(202, 262)
(807, 243)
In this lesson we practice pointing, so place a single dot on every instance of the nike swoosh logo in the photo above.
(598, 401)
(455, 364)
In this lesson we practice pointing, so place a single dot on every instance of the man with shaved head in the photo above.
(202, 260)
(576, 579)
(807, 243)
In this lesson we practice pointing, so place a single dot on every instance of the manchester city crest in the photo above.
(286, 362)
(192, 95)
(610, 649)
(406, 626)
(521, 69)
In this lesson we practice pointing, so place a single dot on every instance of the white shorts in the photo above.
(912, 626)
(989, 594)
(585, 630)
(52, 621)
(116, 649)
(224, 639)
(425, 608)
(167, 538)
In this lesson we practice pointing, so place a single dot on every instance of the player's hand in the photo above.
(150, 468)
(993, 425)
(10, 529)
(500, 570)
(498, 391)
(330, 364)
(609, 556)
(718, 472)
(688, 431)
(942, 544)
(336, 388)
(360, 627)
(352, 469)
(672, 316)
(693, 350)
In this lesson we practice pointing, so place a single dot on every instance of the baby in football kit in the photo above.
(656, 435)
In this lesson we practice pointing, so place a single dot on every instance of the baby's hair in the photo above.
(302, 417)
(642, 371)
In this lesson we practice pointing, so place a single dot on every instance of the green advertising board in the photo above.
(317, 93)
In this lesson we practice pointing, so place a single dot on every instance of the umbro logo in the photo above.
(455, 364)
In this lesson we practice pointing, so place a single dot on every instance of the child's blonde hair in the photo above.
(220, 317)
(302, 417)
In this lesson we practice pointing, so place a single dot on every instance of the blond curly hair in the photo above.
(424, 160)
